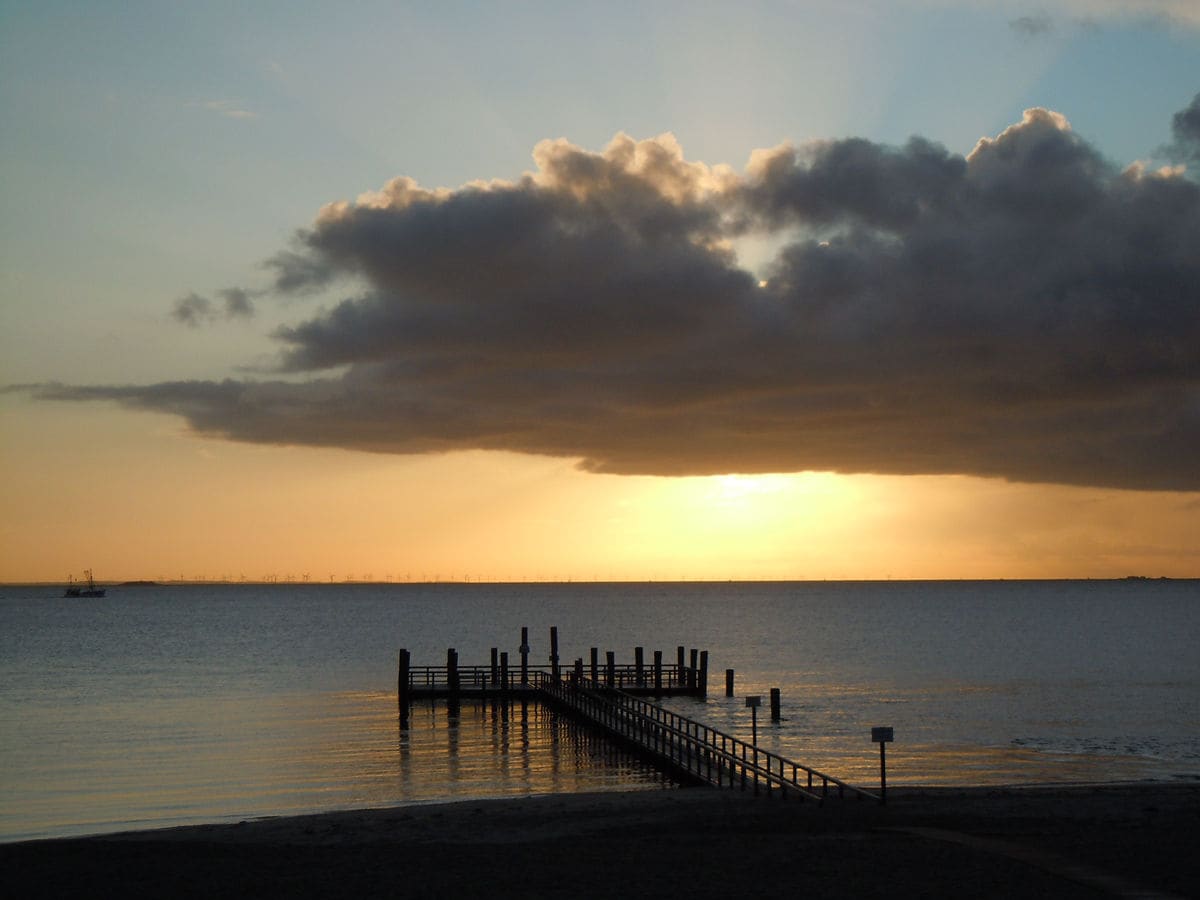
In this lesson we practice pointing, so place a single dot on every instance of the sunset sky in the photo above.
(853, 289)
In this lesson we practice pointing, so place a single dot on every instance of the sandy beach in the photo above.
(1061, 841)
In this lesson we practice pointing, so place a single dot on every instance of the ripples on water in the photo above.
(176, 763)
(174, 705)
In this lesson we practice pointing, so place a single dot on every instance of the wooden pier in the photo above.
(612, 698)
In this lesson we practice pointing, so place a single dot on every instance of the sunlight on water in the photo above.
(296, 754)
(178, 704)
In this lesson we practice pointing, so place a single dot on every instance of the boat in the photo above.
(76, 589)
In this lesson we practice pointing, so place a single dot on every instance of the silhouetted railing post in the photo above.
(702, 686)
(610, 674)
(504, 671)
(680, 677)
(596, 665)
(774, 704)
(554, 652)
(729, 682)
(658, 671)
(639, 665)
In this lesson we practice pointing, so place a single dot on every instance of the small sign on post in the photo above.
(883, 735)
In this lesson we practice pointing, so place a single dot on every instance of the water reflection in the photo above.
(493, 748)
(305, 753)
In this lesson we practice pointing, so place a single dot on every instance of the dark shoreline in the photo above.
(1045, 841)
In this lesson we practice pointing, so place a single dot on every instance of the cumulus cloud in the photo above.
(1029, 311)
(1185, 128)
(195, 310)
(1032, 25)
(192, 310)
(229, 109)
(237, 303)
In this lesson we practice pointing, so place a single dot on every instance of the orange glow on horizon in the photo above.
(139, 498)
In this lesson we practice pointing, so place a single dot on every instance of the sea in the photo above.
(163, 705)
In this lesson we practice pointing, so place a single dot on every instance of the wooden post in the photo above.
(554, 652)
(402, 687)
(702, 687)
(692, 664)
(883, 735)
(578, 671)
(611, 668)
(639, 666)
(595, 665)
(495, 670)
(882, 773)
(452, 681)
(729, 682)
(504, 671)
(452, 671)
(524, 655)
(658, 671)
(774, 704)
(680, 667)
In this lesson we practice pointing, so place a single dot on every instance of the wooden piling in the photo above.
(578, 670)
(402, 694)
(554, 673)
(495, 667)
(595, 664)
(452, 672)
(702, 686)
(681, 667)
(639, 666)
(610, 674)
(774, 704)
(504, 671)
(729, 682)
(658, 671)
(524, 655)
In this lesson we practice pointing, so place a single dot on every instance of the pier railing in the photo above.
(668, 678)
(699, 750)
(609, 696)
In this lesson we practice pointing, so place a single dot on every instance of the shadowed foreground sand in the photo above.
(1076, 842)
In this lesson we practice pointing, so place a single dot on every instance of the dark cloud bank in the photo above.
(1029, 312)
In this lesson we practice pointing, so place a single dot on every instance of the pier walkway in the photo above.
(613, 699)
(690, 748)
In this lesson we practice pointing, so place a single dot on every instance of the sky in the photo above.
(546, 291)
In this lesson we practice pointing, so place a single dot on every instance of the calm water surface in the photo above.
(175, 704)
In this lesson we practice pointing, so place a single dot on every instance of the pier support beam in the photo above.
(729, 682)
(702, 684)
(658, 671)
(504, 671)
(610, 669)
(554, 673)
(639, 666)
(774, 704)
(595, 665)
